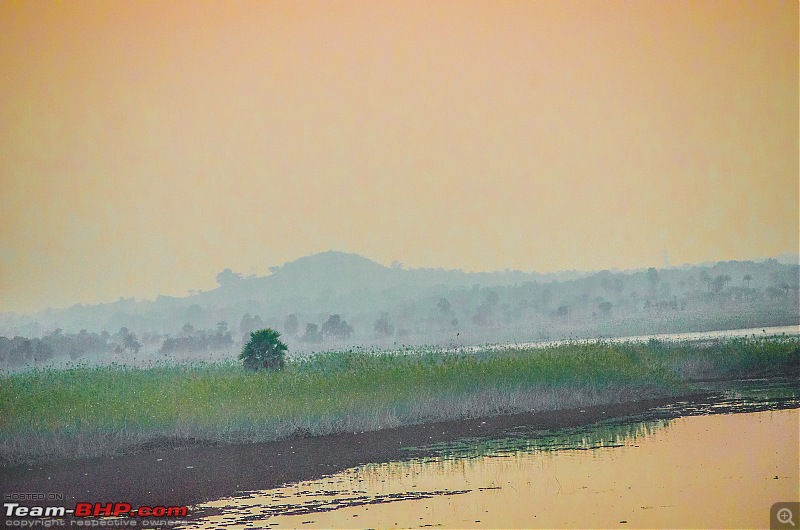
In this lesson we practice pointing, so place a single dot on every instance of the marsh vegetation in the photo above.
(92, 411)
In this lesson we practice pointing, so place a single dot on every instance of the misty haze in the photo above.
(337, 300)
(400, 264)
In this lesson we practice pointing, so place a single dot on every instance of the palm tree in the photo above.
(747, 279)
(130, 342)
(264, 350)
(720, 282)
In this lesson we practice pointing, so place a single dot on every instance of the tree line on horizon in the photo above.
(602, 300)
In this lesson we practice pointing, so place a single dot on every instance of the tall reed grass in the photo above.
(85, 411)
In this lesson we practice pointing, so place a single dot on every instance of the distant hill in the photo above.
(333, 273)
(427, 301)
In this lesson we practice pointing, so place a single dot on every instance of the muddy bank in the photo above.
(187, 476)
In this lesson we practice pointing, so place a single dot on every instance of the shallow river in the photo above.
(717, 464)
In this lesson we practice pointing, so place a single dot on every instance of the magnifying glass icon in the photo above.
(785, 516)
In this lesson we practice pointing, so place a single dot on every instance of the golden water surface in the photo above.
(722, 470)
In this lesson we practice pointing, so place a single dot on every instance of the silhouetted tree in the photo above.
(228, 277)
(132, 343)
(312, 333)
(336, 328)
(382, 326)
(720, 282)
(222, 338)
(652, 279)
(484, 312)
(250, 324)
(291, 325)
(127, 341)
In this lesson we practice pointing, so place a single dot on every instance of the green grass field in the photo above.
(83, 411)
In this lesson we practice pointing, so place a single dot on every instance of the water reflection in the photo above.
(756, 395)
(679, 466)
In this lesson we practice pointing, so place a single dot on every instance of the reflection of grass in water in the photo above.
(598, 435)
(93, 411)
(421, 477)
(736, 396)
(760, 390)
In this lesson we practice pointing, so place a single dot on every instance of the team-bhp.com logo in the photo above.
(97, 509)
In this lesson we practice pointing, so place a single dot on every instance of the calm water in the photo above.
(670, 337)
(721, 463)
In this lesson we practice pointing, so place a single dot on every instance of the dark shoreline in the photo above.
(188, 476)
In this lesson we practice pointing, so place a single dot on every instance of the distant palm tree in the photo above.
(747, 279)
(720, 282)
(130, 342)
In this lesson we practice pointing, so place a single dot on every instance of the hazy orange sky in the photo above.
(148, 145)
